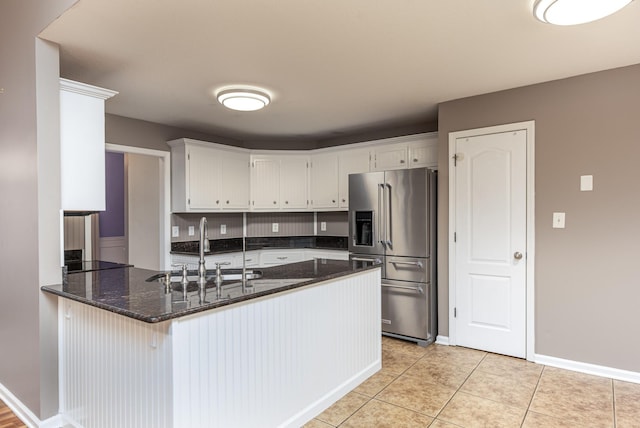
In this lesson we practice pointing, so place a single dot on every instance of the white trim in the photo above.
(593, 369)
(529, 127)
(442, 340)
(18, 408)
(165, 222)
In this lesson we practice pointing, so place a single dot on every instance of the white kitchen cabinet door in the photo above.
(323, 176)
(205, 178)
(234, 192)
(82, 150)
(424, 153)
(350, 162)
(393, 156)
(294, 193)
(265, 183)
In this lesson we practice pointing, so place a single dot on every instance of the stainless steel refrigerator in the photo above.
(392, 222)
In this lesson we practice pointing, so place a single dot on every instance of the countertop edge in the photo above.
(210, 306)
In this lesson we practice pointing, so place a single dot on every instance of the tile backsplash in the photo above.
(259, 224)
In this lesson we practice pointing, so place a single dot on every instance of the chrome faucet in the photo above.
(204, 248)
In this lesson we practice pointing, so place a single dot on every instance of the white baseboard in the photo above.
(18, 408)
(593, 369)
(442, 340)
(24, 414)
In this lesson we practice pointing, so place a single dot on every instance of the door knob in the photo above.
(517, 255)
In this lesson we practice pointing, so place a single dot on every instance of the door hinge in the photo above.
(455, 312)
(188, 156)
(455, 160)
(189, 201)
(455, 237)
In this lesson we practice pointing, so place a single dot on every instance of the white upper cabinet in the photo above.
(279, 182)
(350, 162)
(324, 181)
(208, 177)
(82, 149)
(412, 151)
(213, 177)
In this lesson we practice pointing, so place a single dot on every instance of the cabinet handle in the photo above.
(227, 202)
(274, 202)
(217, 202)
(343, 200)
(286, 202)
(401, 160)
(415, 160)
(333, 200)
(282, 258)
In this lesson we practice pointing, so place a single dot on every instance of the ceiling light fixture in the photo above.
(573, 12)
(243, 99)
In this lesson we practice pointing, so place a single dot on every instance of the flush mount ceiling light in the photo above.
(243, 99)
(573, 12)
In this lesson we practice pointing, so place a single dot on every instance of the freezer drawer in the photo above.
(413, 269)
(406, 309)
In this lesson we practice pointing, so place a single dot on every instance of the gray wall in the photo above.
(29, 220)
(587, 284)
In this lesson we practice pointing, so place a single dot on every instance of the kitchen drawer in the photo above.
(405, 309)
(408, 269)
(276, 257)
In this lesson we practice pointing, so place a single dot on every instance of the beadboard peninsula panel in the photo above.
(114, 371)
(277, 362)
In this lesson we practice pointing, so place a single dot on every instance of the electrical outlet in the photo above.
(275, 227)
(175, 231)
(192, 230)
(223, 229)
(323, 226)
(558, 220)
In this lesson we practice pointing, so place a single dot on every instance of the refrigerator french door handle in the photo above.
(388, 228)
(405, 287)
(380, 221)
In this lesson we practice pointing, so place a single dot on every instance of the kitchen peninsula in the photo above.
(136, 352)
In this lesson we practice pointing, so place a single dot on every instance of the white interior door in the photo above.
(491, 241)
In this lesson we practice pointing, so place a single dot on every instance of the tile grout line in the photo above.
(526, 412)
(458, 388)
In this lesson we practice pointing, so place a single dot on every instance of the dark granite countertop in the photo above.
(127, 292)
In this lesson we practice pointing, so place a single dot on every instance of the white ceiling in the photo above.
(333, 67)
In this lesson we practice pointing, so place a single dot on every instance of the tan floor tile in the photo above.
(574, 397)
(403, 346)
(516, 368)
(442, 424)
(454, 354)
(536, 420)
(343, 408)
(417, 394)
(627, 400)
(395, 362)
(470, 412)
(376, 383)
(440, 371)
(315, 423)
(505, 390)
(384, 415)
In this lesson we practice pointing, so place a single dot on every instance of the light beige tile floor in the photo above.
(453, 387)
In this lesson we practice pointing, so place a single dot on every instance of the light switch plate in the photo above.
(274, 227)
(558, 220)
(586, 183)
(223, 229)
(323, 226)
(192, 230)
(175, 231)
